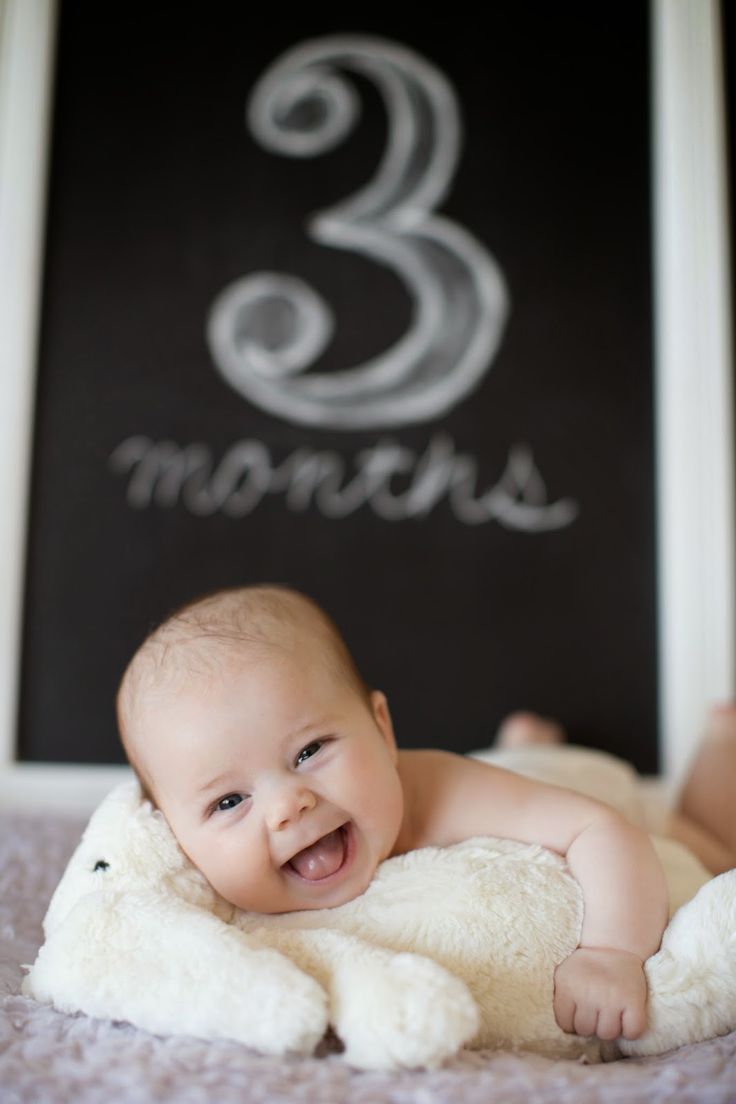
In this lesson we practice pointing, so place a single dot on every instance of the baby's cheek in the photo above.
(234, 889)
(389, 810)
(249, 885)
(211, 862)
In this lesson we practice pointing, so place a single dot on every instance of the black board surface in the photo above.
(484, 548)
(728, 33)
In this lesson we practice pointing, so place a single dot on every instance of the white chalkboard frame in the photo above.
(27, 56)
(693, 374)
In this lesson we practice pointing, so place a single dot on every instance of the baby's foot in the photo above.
(527, 730)
(707, 797)
(722, 721)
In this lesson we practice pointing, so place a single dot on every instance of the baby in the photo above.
(277, 769)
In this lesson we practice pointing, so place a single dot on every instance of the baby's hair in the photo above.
(198, 637)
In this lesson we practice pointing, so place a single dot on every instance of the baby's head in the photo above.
(252, 730)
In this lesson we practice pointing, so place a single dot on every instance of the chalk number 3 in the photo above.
(266, 329)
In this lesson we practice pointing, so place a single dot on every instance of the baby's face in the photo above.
(278, 781)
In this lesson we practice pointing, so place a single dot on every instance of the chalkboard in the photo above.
(429, 407)
(728, 38)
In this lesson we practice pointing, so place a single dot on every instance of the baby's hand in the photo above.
(601, 991)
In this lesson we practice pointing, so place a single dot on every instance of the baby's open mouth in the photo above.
(323, 858)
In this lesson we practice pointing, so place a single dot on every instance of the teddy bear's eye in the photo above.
(101, 865)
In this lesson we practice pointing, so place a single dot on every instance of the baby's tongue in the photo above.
(321, 859)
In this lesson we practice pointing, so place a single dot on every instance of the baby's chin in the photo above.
(340, 897)
(335, 897)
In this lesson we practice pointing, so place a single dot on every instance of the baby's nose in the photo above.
(288, 805)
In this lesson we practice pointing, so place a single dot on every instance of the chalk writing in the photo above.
(395, 482)
(266, 328)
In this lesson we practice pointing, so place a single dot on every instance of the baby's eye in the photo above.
(228, 802)
(308, 751)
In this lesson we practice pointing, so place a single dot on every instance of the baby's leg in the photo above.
(705, 817)
(713, 854)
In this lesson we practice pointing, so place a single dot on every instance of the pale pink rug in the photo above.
(50, 1058)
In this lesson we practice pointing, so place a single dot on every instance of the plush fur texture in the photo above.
(447, 948)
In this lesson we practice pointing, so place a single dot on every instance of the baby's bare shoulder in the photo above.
(445, 768)
(444, 792)
(425, 760)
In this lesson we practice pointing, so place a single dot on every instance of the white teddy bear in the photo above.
(446, 948)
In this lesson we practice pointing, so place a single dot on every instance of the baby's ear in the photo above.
(382, 717)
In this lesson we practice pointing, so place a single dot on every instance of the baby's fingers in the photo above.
(564, 1007)
(609, 1024)
(586, 1020)
(634, 1021)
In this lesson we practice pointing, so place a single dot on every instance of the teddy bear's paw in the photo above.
(169, 968)
(271, 1005)
(404, 1012)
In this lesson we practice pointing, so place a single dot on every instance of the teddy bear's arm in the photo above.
(390, 1010)
(172, 968)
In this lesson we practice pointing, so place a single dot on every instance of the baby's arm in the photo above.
(601, 988)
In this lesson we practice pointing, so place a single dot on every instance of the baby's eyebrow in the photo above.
(214, 782)
(299, 733)
(312, 726)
